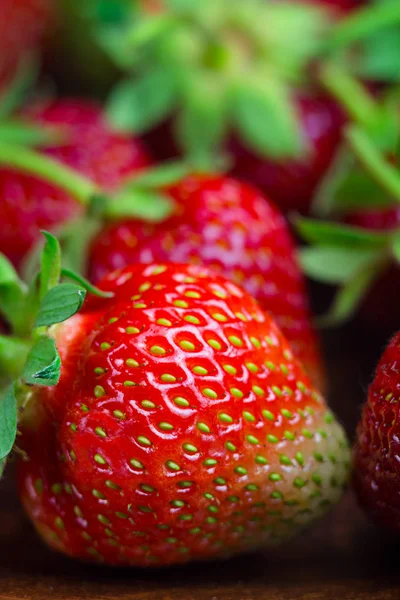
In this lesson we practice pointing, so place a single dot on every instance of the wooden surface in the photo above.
(342, 558)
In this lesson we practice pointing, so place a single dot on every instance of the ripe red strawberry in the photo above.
(182, 428)
(232, 228)
(376, 473)
(22, 25)
(28, 204)
(291, 183)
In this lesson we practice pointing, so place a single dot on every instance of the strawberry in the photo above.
(234, 229)
(29, 204)
(376, 473)
(22, 25)
(179, 427)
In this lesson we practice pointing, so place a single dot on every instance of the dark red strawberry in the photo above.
(22, 25)
(376, 473)
(28, 204)
(232, 228)
(292, 183)
(182, 428)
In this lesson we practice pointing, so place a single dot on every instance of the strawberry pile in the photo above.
(161, 378)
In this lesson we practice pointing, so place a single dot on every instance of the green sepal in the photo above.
(28, 134)
(201, 123)
(327, 233)
(13, 353)
(350, 296)
(346, 188)
(136, 203)
(76, 238)
(92, 289)
(8, 421)
(375, 163)
(396, 247)
(334, 265)
(43, 363)
(50, 264)
(59, 304)
(162, 175)
(13, 293)
(15, 93)
(137, 104)
(265, 118)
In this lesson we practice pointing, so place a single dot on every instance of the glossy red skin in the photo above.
(22, 25)
(28, 205)
(292, 183)
(377, 468)
(380, 307)
(116, 341)
(231, 227)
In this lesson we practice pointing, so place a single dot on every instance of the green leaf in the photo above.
(346, 187)
(29, 134)
(92, 289)
(140, 103)
(8, 422)
(15, 93)
(396, 247)
(202, 121)
(140, 204)
(13, 353)
(76, 238)
(43, 364)
(334, 265)
(50, 264)
(60, 303)
(7, 272)
(12, 296)
(375, 163)
(162, 175)
(380, 56)
(327, 233)
(265, 117)
(351, 295)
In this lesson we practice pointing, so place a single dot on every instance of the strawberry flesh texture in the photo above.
(291, 183)
(341, 6)
(377, 470)
(182, 428)
(232, 228)
(22, 25)
(28, 204)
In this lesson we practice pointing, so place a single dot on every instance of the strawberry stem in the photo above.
(49, 169)
(351, 94)
(369, 156)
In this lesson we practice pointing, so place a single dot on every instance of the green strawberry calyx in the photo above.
(216, 66)
(29, 356)
(352, 257)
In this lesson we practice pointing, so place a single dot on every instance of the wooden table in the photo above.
(342, 558)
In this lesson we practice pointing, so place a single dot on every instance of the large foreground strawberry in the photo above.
(232, 228)
(29, 204)
(180, 426)
(376, 474)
